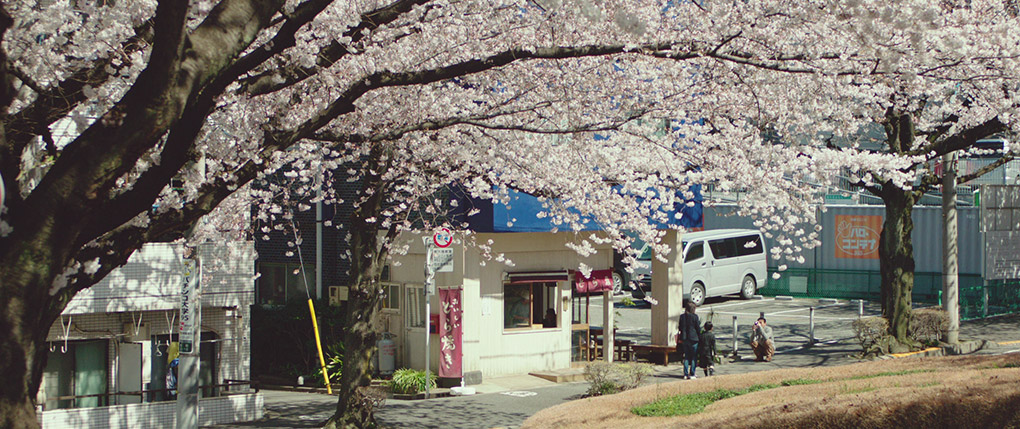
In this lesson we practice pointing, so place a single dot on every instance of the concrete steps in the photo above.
(565, 375)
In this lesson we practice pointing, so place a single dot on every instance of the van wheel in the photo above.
(617, 283)
(748, 287)
(698, 294)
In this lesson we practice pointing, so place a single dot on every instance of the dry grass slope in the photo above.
(964, 392)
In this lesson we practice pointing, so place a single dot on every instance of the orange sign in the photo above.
(857, 236)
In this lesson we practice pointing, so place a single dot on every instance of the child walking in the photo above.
(706, 350)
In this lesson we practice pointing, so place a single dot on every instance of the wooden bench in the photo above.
(652, 349)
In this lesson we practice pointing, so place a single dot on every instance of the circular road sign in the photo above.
(443, 238)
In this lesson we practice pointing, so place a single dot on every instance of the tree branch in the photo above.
(181, 64)
(345, 102)
(178, 149)
(269, 81)
(57, 101)
(961, 140)
(986, 169)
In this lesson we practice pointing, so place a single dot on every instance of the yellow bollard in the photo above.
(318, 344)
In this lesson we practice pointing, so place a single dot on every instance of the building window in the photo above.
(390, 299)
(279, 283)
(415, 306)
(525, 305)
(76, 377)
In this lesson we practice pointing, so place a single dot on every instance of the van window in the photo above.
(646, 254)
(723, 248)
(750, 245)
(696, 251)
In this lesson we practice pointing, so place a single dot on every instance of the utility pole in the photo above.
(950, 254)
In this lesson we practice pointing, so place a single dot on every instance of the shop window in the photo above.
(415, 306)
(278, 282)
(526, 304)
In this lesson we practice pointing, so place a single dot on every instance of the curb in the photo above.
(301, 389)
(962, 348)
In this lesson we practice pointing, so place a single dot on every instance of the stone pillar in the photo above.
(667, 291)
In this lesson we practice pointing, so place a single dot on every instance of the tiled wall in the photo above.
(152, 277)
(211, 411)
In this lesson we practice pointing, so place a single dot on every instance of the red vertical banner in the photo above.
(450, 333)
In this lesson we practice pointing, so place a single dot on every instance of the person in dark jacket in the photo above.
(687, 339)
(706, 350)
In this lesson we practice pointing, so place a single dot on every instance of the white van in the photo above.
(721, 262)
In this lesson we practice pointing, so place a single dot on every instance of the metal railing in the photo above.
(214, 390)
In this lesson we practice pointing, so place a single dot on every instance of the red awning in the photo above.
(599, 281)
(538, 277)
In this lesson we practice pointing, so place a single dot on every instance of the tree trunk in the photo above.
(22, 360)
(367, 259)
(896, 259)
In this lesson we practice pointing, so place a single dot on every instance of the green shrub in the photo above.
(608, 378)
(411, 381)
(334, 365)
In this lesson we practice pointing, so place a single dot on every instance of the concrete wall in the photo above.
(212, 411)
(152, 277)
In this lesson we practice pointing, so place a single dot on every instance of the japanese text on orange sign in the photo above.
(857, 236)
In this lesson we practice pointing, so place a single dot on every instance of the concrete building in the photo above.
(503, 307)
(112, 349)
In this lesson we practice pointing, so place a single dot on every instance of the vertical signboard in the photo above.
(191, 307)
(857, 236)
(450, 333)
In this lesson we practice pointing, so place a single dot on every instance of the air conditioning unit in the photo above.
(337, 294)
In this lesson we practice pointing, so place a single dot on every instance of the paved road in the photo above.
(510, 408)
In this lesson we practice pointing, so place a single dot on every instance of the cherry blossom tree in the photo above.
(108, 103)
(913, 81)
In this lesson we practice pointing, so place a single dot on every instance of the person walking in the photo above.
(687, 339)
(761, 341)
(706, 350)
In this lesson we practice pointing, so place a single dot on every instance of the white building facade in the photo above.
(114, 345)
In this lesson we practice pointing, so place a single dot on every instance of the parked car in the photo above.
(642, 275)
(716, 263)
